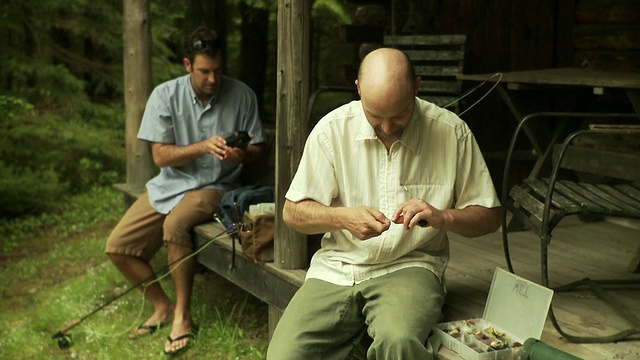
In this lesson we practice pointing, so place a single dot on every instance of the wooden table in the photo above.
(598, 81)
(527, 92)
(531, 91)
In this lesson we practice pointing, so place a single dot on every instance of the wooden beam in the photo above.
(291, 120)
(294, 16)
(137, 86)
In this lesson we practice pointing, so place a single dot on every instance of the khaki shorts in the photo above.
(142, 230)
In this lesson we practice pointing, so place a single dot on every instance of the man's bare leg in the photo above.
(183, 274)
(136, 270)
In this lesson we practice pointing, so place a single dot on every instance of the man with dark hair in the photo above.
(397, 172)
(186, 121)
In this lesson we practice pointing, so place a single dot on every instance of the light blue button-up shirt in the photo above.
(174, 115)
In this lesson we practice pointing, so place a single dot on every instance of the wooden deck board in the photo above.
(266, 282)
(598, 250)
(601, 249)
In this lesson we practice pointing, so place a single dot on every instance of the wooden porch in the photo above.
(578, 249)
(600, 250)
(597, 250)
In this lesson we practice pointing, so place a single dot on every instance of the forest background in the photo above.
(61, 83)
(62, 147)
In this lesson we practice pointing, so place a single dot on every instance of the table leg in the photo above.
(541, 137)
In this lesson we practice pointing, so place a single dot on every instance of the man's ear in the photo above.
(418, 79)
(187, 65)
(358, 87)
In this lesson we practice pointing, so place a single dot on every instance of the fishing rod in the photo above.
(469, 92)
(62, 336)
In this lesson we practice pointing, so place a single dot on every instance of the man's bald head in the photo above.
(387, 58)
(387, 86)
(385, 77)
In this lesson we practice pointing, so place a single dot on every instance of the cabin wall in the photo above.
(506, 35)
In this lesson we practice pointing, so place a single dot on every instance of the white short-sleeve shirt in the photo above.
(345, 164)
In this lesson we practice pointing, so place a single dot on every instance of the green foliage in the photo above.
(25, 191)
(59, 57)
(11, 107)
(45, 155)
(334, 7)
(45, 43)
(60, 273)
(168, 41)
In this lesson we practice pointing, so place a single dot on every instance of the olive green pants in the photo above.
(327, 321)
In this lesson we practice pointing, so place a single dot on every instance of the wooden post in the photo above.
(291, 126)
(137, 83)
(291, 120)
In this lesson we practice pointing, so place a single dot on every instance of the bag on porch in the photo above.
(235, 202)
(255, 231)
(256, 237)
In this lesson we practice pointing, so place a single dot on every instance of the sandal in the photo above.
(189, 335)
(144, 330)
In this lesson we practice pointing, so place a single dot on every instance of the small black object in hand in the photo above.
(238, 139)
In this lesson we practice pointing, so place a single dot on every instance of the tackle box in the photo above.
(516, 309)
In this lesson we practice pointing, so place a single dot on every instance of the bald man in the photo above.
(384, 178)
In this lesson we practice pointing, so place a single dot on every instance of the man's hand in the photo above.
(217, 146)
(418, 212)
(310, 217)
(472, 221)
(177, 155)
(364, 222)
(237, 155)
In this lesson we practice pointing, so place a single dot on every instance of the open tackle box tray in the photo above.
(516, 310)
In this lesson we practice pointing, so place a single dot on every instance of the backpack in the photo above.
(234, 203)
(255, 234)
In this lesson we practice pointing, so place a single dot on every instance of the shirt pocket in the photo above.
(437, 195)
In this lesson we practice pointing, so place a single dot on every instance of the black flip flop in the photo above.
(148, 330)
(189, 335)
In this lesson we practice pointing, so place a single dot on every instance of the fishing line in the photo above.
(470, 91)
(64, 340)
(160, 277)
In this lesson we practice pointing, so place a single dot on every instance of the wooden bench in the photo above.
(541, 203)
(267, 282)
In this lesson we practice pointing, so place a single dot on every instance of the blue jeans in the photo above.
(325, 321)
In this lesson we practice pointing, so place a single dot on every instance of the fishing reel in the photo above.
(64, 340)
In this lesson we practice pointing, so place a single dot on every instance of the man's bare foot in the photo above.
(180, 337)
(158, 319)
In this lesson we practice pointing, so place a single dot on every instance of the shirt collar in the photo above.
(194, 97)
(410, 136)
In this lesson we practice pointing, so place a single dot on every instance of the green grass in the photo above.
(54, 271)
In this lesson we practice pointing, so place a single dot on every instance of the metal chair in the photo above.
(540, 204)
